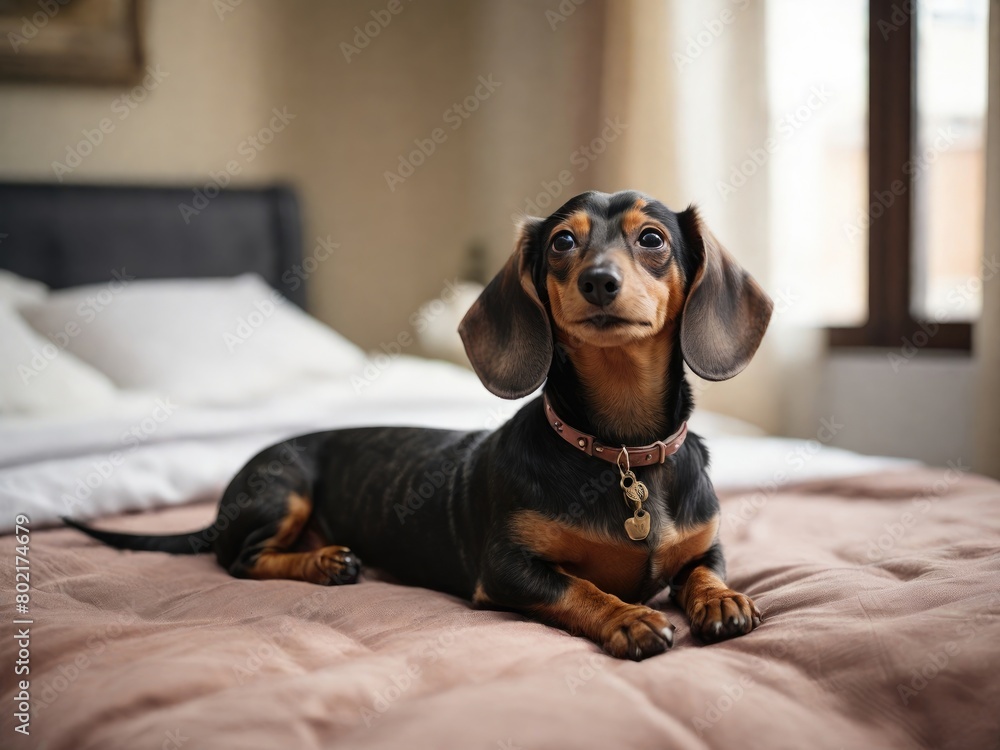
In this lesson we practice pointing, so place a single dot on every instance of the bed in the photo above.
(879, 579)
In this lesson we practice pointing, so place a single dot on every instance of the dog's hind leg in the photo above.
(274, 557)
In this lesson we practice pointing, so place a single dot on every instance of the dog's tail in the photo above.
(188, 543)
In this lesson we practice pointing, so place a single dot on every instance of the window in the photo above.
(926, 112)
(951, 59)
(878, 109)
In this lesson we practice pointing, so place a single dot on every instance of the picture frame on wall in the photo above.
(85, 42)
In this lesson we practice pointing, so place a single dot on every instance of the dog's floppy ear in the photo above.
(506, 331)
(726, 312)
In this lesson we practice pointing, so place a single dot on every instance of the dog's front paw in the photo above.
(723, 614)
(638, 633)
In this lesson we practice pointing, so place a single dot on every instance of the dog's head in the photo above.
(610, 271)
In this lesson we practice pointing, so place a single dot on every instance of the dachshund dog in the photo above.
(592, 499)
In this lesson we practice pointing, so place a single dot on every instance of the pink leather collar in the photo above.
(643, 455)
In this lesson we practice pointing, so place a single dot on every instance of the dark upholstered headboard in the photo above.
(68, 235)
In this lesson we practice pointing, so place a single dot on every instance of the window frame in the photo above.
(892, 74)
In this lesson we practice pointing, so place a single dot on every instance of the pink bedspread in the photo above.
(881, 598)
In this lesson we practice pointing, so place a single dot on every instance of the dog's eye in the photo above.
(563, 242)
(651, 239)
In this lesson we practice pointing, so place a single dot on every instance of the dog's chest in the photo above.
(613, 562)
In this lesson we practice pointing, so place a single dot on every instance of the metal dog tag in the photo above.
(635, 491)
(637, 527)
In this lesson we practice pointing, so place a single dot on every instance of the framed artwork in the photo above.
(71, 41)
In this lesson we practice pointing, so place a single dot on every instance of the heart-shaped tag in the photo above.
(637, 527)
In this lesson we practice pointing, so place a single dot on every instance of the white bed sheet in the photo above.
(147, 452)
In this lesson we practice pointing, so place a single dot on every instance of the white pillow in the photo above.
(38, 377)
(199, 341)
(16, 290)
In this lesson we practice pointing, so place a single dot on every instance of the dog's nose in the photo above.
(599, 285)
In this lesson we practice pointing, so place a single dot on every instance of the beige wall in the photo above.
(219, 87)
(352, 122)
(224, 76)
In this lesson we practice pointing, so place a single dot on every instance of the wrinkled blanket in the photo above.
(881, 598)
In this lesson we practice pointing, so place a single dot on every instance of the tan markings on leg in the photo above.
(615, 565)
(677, 547)
(322, 566)
(296, 515)
(701, 584)
(716, 611)
(596, 568)
(624, 630)
(479, 596)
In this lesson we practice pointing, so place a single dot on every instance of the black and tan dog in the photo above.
(578, 509)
